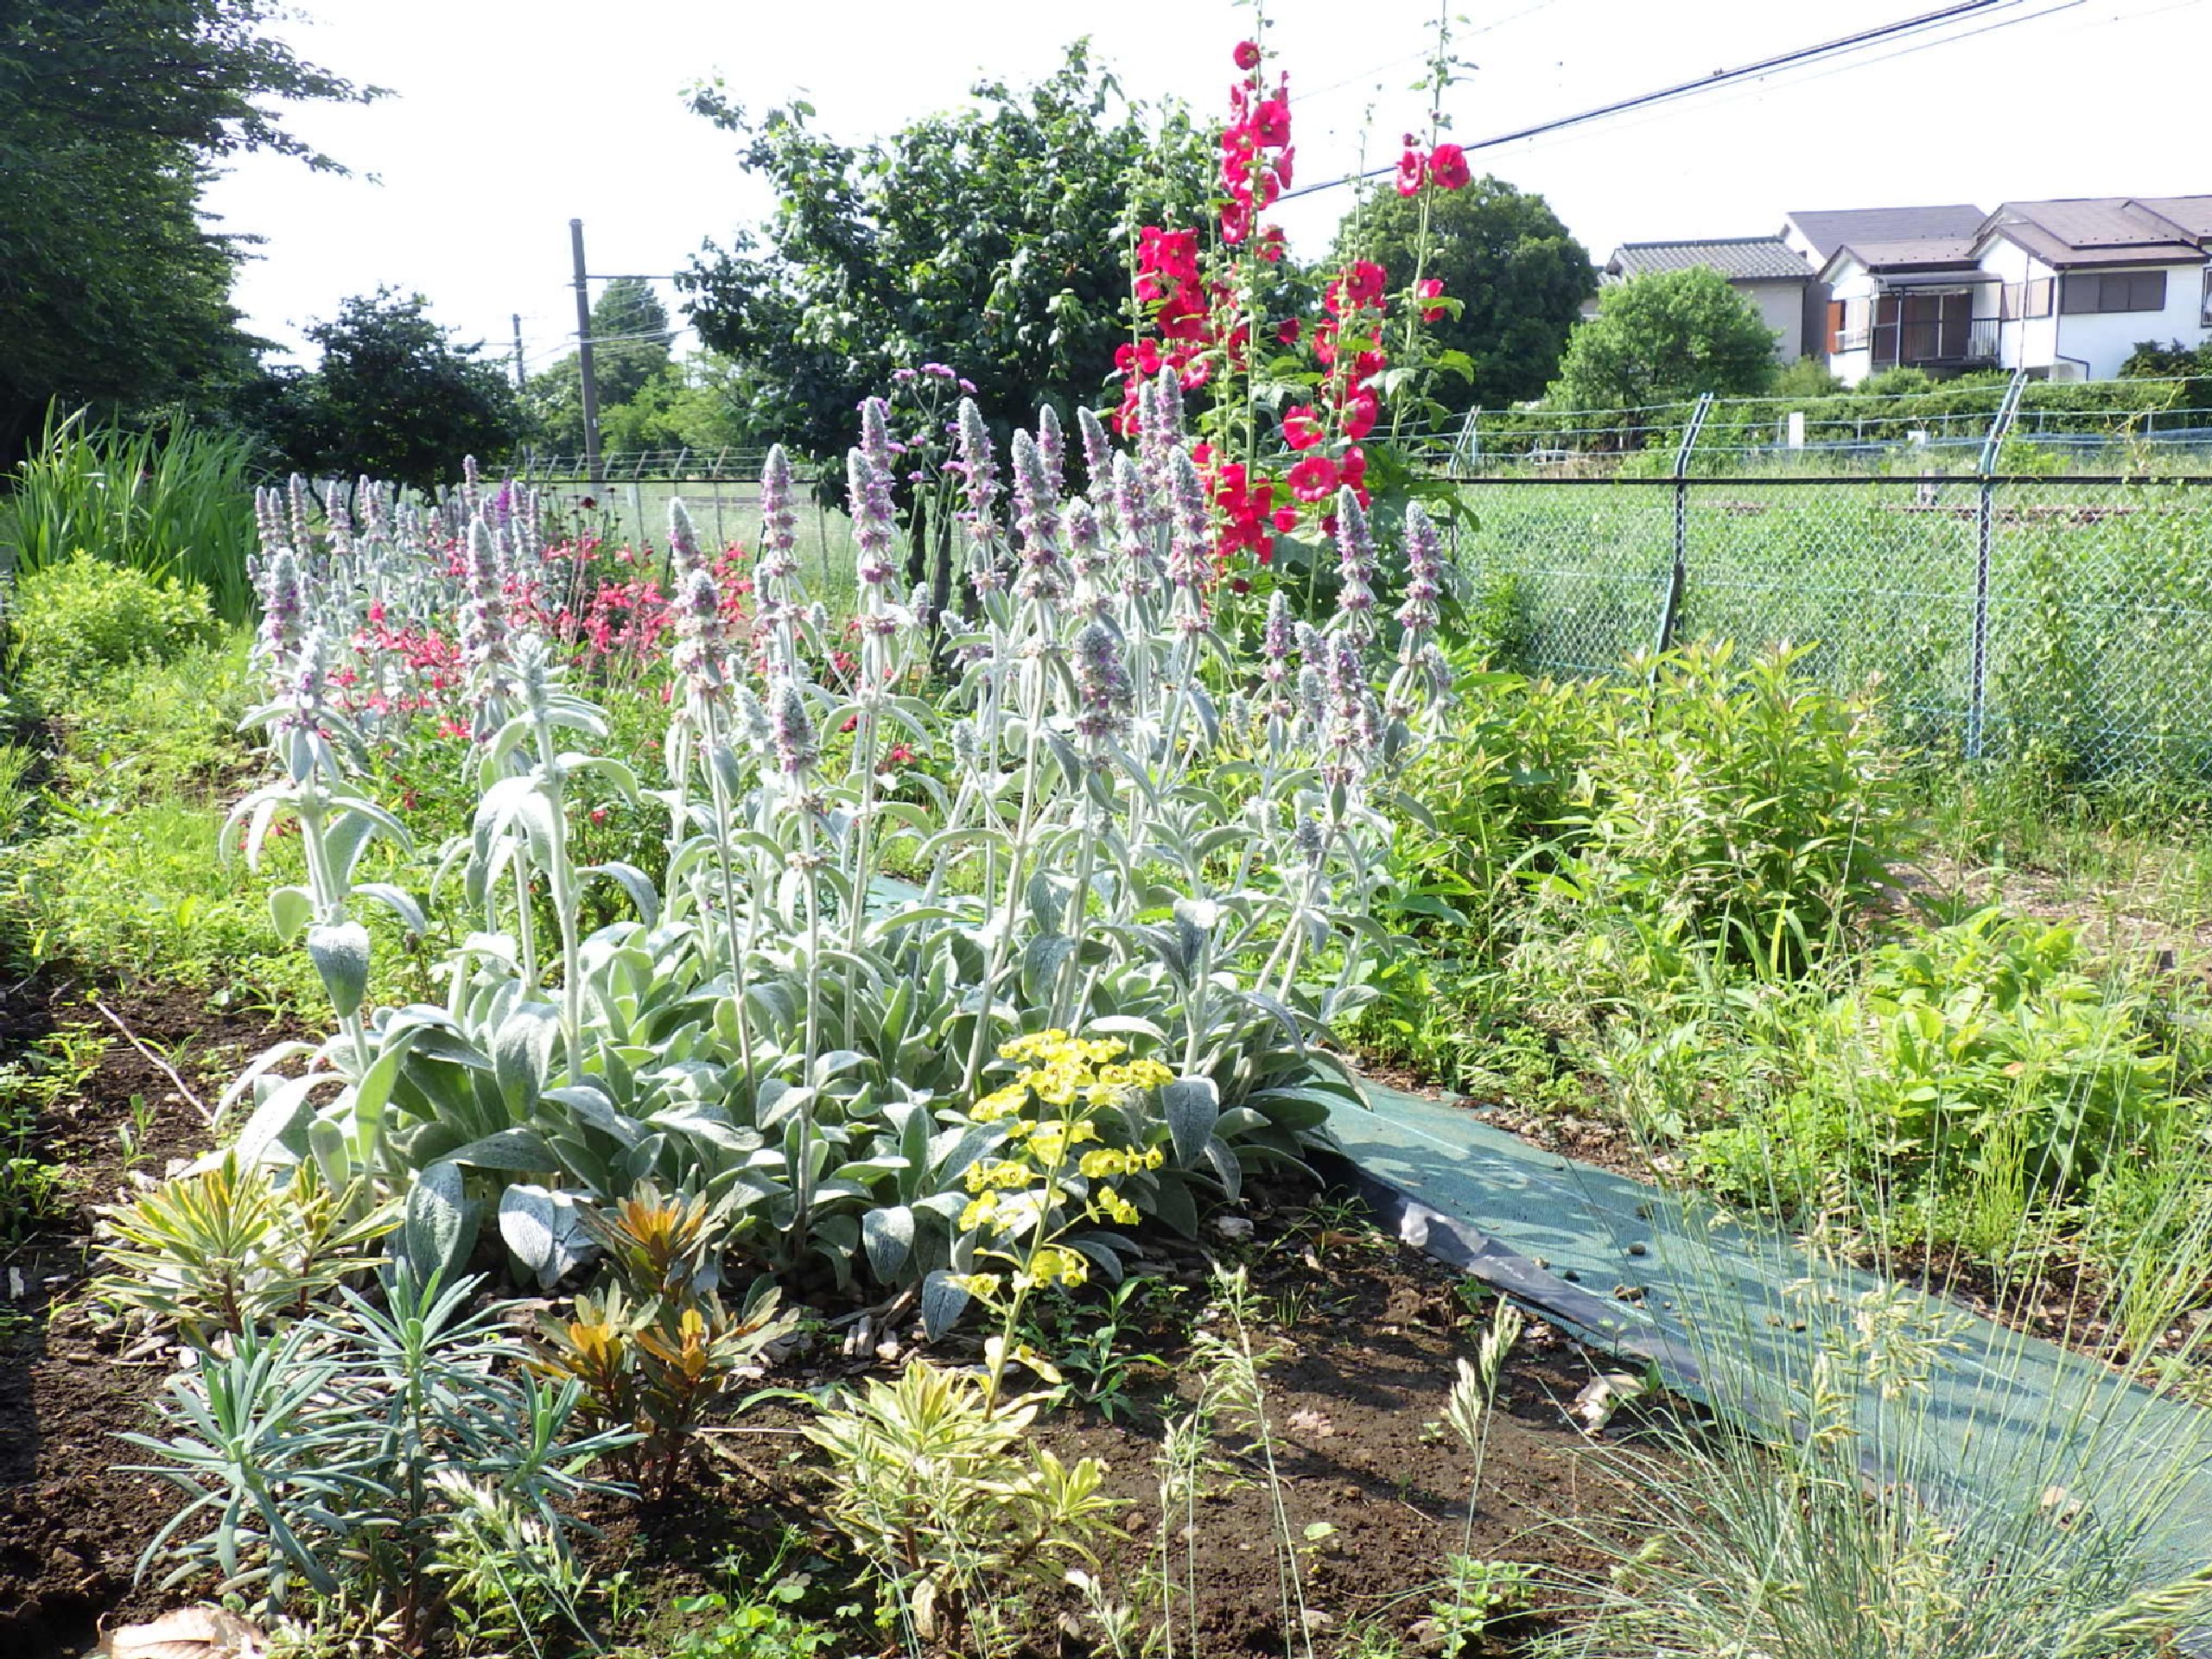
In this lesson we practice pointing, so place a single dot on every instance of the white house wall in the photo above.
(1782, 308)
(2032, 342)
(2104, 340)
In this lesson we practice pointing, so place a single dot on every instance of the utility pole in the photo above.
(583, 351)
(515, 316)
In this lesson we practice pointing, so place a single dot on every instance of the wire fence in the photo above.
(2067, 616)
(2146, 425)
(628, 503)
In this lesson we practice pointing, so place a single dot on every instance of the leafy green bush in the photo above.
(1979, 1055)
(1738, 803)
(82, 616)
(173, 506)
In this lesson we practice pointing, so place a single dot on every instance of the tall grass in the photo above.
(176, 503)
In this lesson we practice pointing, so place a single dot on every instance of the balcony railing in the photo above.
(1952, 342)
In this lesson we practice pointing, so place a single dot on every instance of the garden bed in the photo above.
(1367, 1333)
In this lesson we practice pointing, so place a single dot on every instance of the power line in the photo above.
(1704, 83)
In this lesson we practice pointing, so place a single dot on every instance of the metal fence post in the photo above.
(1670, 610)
(1984, 517)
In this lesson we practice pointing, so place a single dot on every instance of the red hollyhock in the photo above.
(1360, 411)
(1271, 122)
(1363, 282)
(1447, 167)
(1269, 246)
(1248, 54)
(1409, 172)
(1314, 478)
(1301, 429)
(1430, 288)
(1287, 331)
(1286, 519)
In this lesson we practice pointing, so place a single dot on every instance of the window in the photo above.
(2029, 299)
(2113, 290)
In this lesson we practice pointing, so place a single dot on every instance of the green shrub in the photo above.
(1738, 804)
(177, 503)
(82, 616)
(1974, 1060)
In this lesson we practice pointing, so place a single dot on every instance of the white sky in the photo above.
(511, 117)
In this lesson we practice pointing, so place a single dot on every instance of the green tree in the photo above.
(630, 353)
(395, 396)
(993, 239)
(112, 291)
(1519, 275)
(1666, 335)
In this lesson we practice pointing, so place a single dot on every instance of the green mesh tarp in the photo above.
(1731, 1313)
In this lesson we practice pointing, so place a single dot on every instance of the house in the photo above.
(1869, 266)
(2064, 289)
(1763, 269)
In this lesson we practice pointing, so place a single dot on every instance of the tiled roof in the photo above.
(2192, 214)
(1739, 258)
(1830, 229)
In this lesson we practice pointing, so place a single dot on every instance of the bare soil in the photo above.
(1362, 1333)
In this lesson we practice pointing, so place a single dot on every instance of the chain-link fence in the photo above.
(629, 504)
(2067, 615)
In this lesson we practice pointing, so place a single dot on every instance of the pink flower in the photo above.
(1360, 411)
(1286, 519)
(1301, 429)
(1248, 54)
(1409, 172)
(1430, 288)
(1313, 479)
(1447, 168)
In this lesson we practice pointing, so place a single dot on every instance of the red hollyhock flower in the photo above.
(1314, 478)
(1430, 288)
(1360, 411)
(1269, 245)
(1447, 167)
(1286, 519)
(1287, 331)
(1236, 222)
(1283, 166)
(1409, 172)
(1271, 122)
(1301, 429)
(1248, 54)
(1363, 282)
(1351, 468)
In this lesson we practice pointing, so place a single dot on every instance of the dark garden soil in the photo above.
(1365, 1334)
(70, 1529)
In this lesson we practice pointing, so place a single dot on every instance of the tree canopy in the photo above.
(992, 240)
(1665, 335)
(1519, 275)
(110, 289)
(395, 396)
(631, 361)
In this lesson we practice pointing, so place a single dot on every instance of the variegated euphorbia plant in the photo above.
(1145, 834)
